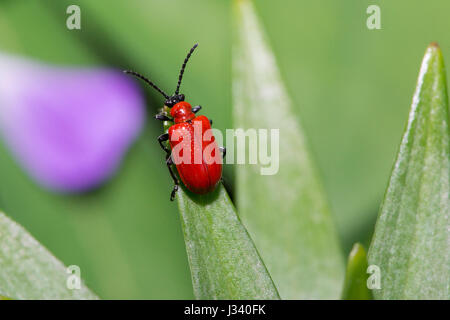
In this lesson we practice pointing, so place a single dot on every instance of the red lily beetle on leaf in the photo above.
(197, 173)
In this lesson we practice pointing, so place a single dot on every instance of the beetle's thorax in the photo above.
(182, 112)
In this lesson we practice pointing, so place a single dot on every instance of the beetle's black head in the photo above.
(173, 100)
(177, 97)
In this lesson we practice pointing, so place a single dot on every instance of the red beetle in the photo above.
(198, 174)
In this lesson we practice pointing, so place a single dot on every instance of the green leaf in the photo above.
(223, 259)
(355, 284)
(287, 213)
(28, 270)
(411, 243)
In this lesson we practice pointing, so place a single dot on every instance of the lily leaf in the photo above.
(30, 271)
(286, 213)
(355, 285)
(411, 243)
(223, 260)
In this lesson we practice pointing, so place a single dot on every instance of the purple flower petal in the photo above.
(68, 127)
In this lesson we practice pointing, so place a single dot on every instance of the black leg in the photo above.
(162, 117)
(196, 109)
(224, 151)
(169, 163)
(161, 139)
(210, 121)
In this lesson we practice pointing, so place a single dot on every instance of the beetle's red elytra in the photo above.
(198, 176)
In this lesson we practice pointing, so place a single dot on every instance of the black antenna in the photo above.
(183, 67)
(148, 81)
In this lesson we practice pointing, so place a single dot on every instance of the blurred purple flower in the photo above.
(68, 127)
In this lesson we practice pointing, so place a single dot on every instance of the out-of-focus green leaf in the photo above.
(355, 284)
(4, 298)
(411, 244)
(286, 213)
(29, 271)
(223, 259)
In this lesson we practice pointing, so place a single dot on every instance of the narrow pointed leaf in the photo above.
(223, 259)
(286, 213)
(355, 284)
(411, 243)
(30, 271)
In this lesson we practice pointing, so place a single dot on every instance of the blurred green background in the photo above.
(351, 86)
